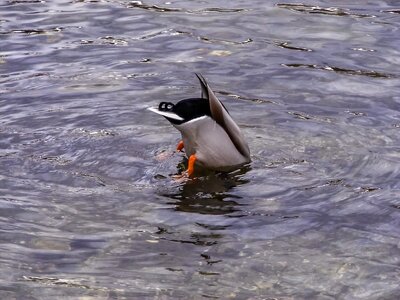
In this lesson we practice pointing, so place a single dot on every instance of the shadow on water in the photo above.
(210, 193)
(211, 196)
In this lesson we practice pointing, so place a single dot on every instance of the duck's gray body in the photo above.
(214, 138)
(211, 144)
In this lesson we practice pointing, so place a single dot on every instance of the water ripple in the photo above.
(369, 73)
(286, 45)
(333, 11)
(162, 9)
(89, 204)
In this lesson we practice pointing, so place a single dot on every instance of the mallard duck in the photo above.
(210, 136)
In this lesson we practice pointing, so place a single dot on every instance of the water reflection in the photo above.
(209, 193)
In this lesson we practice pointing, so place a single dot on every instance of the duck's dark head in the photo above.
(186, 110)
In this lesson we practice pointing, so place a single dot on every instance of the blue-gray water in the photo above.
(88, 205)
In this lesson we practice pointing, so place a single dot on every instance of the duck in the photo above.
(210, 137)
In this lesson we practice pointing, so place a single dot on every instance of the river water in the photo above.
(89, 208)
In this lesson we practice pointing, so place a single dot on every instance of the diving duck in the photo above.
(210, 136)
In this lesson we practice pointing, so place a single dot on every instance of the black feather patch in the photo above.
(187, 109)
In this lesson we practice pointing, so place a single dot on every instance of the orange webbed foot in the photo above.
(180, 178)
(186, 175)
(180, 146)
(192, 160)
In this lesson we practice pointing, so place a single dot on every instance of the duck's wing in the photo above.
(203, 85)
(220, 114)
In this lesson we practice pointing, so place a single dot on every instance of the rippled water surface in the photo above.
(88, 205)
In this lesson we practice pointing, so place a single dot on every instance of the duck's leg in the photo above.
(188, 173)
(180, 146)
(192, 160)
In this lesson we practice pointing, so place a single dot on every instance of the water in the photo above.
(89, 208)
